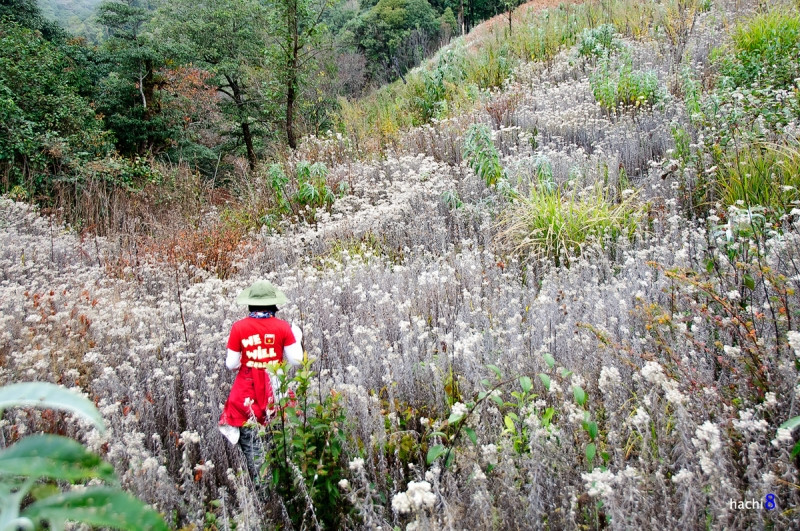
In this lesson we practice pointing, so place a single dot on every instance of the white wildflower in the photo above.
(683, 477)
(653, 373)
(783, 437)
(641, 419)
(459, 410)
(357, 464)
(417, 496)
(794, 342)
(599, 482)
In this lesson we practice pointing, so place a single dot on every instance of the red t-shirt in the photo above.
(261, 342)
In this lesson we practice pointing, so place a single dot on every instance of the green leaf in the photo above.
(437, 434)
(579, 394)
(471, 434)
(791, 424)
(591, 451)
(525, 383)
(565, 373)
(434, 452)
(53, 456)
(545, 380)
(450, 457)
(749, 282)
(454, 417)
(497, 400)
(549, 359)
(509, 424)
(496, 370)
(97, 506)
(548, 415)
(796, 449)
(591, 427)
(47, 395)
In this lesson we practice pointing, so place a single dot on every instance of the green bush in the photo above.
(598, 42)
(761, 176)
(305, 457)
(482, 156)
(624, 87)
(766, 51)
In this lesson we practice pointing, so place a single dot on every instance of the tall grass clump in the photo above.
(766, 50)
(558, 224)
(761, 175)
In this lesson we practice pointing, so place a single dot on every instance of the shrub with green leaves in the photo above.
(304, 459)
(598, 42)
(615, 88)
(482, 156)
(35, 468)
(766, 50)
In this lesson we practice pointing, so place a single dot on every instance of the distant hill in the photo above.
(76, 16)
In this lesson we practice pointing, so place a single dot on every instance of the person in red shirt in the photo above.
(256, 345)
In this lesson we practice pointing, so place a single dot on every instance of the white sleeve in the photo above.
(234, 359)
(294, 353)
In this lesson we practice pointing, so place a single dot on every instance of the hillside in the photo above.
(547, 280)
(76, 16)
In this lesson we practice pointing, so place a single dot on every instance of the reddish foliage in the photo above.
(188, 93)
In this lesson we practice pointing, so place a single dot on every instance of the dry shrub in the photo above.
(501, 108)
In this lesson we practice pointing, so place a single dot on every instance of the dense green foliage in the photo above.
(198, 82)
(766, 49)
(49, 127)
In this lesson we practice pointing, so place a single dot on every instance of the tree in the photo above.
(27, 14)
(299, 34)
(129, 95)
(45, 124)
(383, 32)
(227, 38)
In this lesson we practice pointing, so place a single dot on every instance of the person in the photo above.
(256, 344)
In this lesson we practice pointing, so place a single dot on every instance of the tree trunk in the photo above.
(290, 97)
(291, 72)
(248, 142)
(247, 136)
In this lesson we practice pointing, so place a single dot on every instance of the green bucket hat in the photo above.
(261, 293)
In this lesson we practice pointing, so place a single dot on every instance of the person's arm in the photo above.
(233, 360)
(293, 353)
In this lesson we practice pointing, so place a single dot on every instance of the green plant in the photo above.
(32, 469)
(305, 455)
(557, 225)
(598, 42)
(482, 156)
(624, 87)
(312, 185)
(766, 50)
(761, 175)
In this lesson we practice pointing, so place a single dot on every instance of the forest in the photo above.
(195, 84)
(544, 257)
